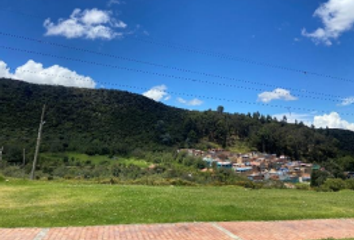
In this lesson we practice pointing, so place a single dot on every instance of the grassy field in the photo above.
(48, 204)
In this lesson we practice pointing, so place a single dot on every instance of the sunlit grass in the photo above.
(46, 204)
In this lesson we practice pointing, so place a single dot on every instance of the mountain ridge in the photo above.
(102, 121)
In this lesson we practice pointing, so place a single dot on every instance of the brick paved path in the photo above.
(280, 230)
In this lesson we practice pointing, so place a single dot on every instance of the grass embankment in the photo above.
(48, 204)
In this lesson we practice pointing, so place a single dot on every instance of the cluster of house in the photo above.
(257, 166)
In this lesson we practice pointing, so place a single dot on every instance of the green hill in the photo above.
(97, 121)
(78, 118)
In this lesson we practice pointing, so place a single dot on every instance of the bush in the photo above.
(249, 184)
(274, 185)
(2, 179)
(318, 178)
(334, 184)
(180, 182)
(138, 153)
(350, 184)
(66, 159)
(110, 181)
(13, 171)
(104, 162)
(323, 188)
(302, 186)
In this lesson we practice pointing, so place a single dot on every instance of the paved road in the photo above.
(280, 230)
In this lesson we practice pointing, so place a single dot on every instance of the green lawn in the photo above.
(48, 204)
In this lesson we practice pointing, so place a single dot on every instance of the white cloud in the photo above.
(347, 101)
(158, 93)
(193, 102)
(4, 70)
(89, 24)
(277, 94)
(332, 120)
(34, 72)
(337, 17)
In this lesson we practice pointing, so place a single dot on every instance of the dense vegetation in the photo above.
(116, 123)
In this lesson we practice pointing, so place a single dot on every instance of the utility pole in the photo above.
(1, 150)
(38, 144)
(24, 163)
(24, 157)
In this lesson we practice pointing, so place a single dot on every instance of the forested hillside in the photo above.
(97, 121)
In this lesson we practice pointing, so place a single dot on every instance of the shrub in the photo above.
(335, 184)
(350, 184)
(318, 178)
(323, 188)
(249, 184)
(110, 181)
(180, 182)
(151, 180)
(104, 162)
(302, 186)
(66, 159)
(274, 185)
(138, 153)
(13, 171)
(2, 179)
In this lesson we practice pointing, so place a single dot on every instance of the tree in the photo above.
(220, 109)
(285, 119)
(318, 178)
(347, 163)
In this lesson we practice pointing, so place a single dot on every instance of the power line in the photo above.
(161, 65)
(239, 59)
(158, 74)
(191, 49)
(196, 95)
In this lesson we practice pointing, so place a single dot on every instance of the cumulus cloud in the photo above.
(4, 70)
(347, 101)
(332, 120)
(89, 24)
(193, 102)
(337, 17)
(158, 93)
(277, 94)
(34, 72)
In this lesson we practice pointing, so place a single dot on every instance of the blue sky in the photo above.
(312, 36)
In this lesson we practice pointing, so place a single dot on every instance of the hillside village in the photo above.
(256, 166)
